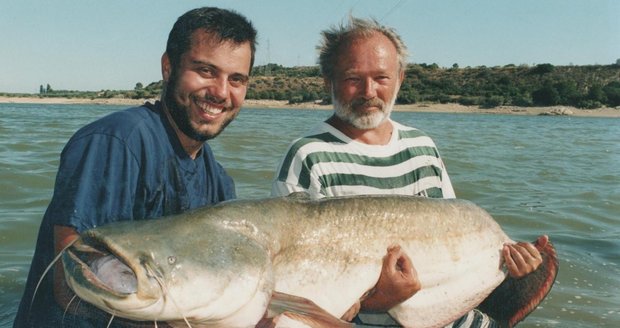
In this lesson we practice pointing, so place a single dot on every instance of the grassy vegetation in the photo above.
(541, 85)
(590, 86)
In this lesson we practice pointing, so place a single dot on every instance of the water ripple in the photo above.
(554, 175)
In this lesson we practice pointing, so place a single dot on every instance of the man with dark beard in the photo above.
(145, 162)
(360, 150)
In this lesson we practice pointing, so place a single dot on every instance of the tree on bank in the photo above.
(589, 86)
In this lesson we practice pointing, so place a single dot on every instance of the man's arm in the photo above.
(63, 236)
(397, 282)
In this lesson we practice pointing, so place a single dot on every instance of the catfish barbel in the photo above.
(220, 266)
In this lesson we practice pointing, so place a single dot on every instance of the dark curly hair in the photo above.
(225, 25)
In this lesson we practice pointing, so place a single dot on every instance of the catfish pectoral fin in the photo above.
(285, 310)
(515, 298)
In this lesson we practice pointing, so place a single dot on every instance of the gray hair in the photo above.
(337, 36)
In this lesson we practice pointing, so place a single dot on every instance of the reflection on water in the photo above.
(552, 175)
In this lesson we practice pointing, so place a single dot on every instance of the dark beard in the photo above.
(179, 114)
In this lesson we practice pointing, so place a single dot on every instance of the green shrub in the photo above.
(546, 96)
(522, 100)
(469, 101)
(612, 92)
(492, 102)
(589, 104)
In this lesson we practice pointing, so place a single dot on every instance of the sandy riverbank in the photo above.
(456, 108)
(433, 108)
(60, 100)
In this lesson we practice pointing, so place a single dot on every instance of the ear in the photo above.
(166, 68)
(401, 76)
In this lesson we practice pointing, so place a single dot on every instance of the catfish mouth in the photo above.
(95, 266)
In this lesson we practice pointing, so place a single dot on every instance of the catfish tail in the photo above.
(516, 298)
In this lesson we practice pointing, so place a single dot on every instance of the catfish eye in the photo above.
(172, 259)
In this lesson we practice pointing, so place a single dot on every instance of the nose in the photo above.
(219, 88)
(369, 90)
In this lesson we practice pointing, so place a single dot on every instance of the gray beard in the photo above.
(346, 113)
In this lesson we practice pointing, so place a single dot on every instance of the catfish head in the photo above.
(172, 270)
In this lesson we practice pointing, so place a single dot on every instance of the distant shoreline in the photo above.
(430, 107)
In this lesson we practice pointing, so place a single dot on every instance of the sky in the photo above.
(92, 45)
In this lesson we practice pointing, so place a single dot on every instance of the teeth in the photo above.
(205, 107)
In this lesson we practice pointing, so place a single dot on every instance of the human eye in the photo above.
(207, 71)
(352, 79)
(382, 78)
(237, 80)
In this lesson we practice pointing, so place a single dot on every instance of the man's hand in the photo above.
(398, 282)
(63, 236)
(523, 258)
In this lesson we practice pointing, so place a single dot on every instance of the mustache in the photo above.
(216, 101)
(374, 102)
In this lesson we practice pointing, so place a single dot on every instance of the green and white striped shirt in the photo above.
(328, 163)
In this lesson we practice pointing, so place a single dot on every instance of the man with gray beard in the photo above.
(360, 150)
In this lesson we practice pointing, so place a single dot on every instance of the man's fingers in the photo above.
(508, 260)
(532, 252)
(390, 260)
(542, 241)
(530, 255)
(405, 265)
(517, 252)
(397, 261)
(521, 259)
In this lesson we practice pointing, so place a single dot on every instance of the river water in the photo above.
(558, 176)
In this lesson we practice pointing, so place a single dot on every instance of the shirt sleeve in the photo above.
(286, 180)
(95, 184)
(446, 189)
(282, 188)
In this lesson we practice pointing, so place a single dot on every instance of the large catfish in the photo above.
(220, 266)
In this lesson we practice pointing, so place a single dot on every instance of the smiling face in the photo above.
(366, 80)
(206, 88)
